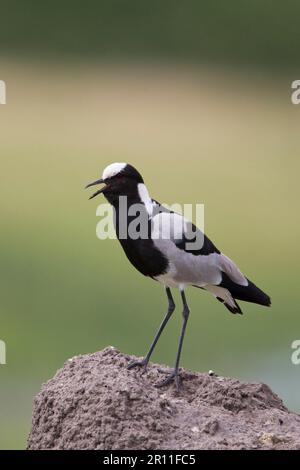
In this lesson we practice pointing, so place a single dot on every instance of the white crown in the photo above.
(113, 169)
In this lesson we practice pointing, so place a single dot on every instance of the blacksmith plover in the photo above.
(167, 255)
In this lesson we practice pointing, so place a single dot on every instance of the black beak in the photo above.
(99, 190)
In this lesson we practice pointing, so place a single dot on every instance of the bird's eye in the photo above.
(119, 177)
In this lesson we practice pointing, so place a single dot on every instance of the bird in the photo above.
(171, 256)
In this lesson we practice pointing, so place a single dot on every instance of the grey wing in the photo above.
(192, 257)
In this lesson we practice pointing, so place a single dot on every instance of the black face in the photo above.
(123, 183)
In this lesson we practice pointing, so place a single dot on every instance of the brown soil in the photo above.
(94, 402)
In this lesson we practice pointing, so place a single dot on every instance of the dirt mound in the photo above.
(94, 402)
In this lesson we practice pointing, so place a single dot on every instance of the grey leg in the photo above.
(174, 376)
(171, 308)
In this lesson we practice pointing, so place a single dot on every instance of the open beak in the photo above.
(99, 190)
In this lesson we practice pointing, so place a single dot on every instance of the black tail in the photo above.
(249, 293)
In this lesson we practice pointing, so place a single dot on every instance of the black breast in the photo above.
(141, 252)
(145, 257)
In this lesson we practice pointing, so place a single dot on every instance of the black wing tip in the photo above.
(235, 310)
(264, 300)
(250, 293)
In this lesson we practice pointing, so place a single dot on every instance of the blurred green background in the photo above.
(196, 95)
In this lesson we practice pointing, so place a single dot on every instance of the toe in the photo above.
(134, 363)
(173, 377)
(165, 382)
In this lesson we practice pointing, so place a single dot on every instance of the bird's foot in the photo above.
(142, 363)
(172, 377)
